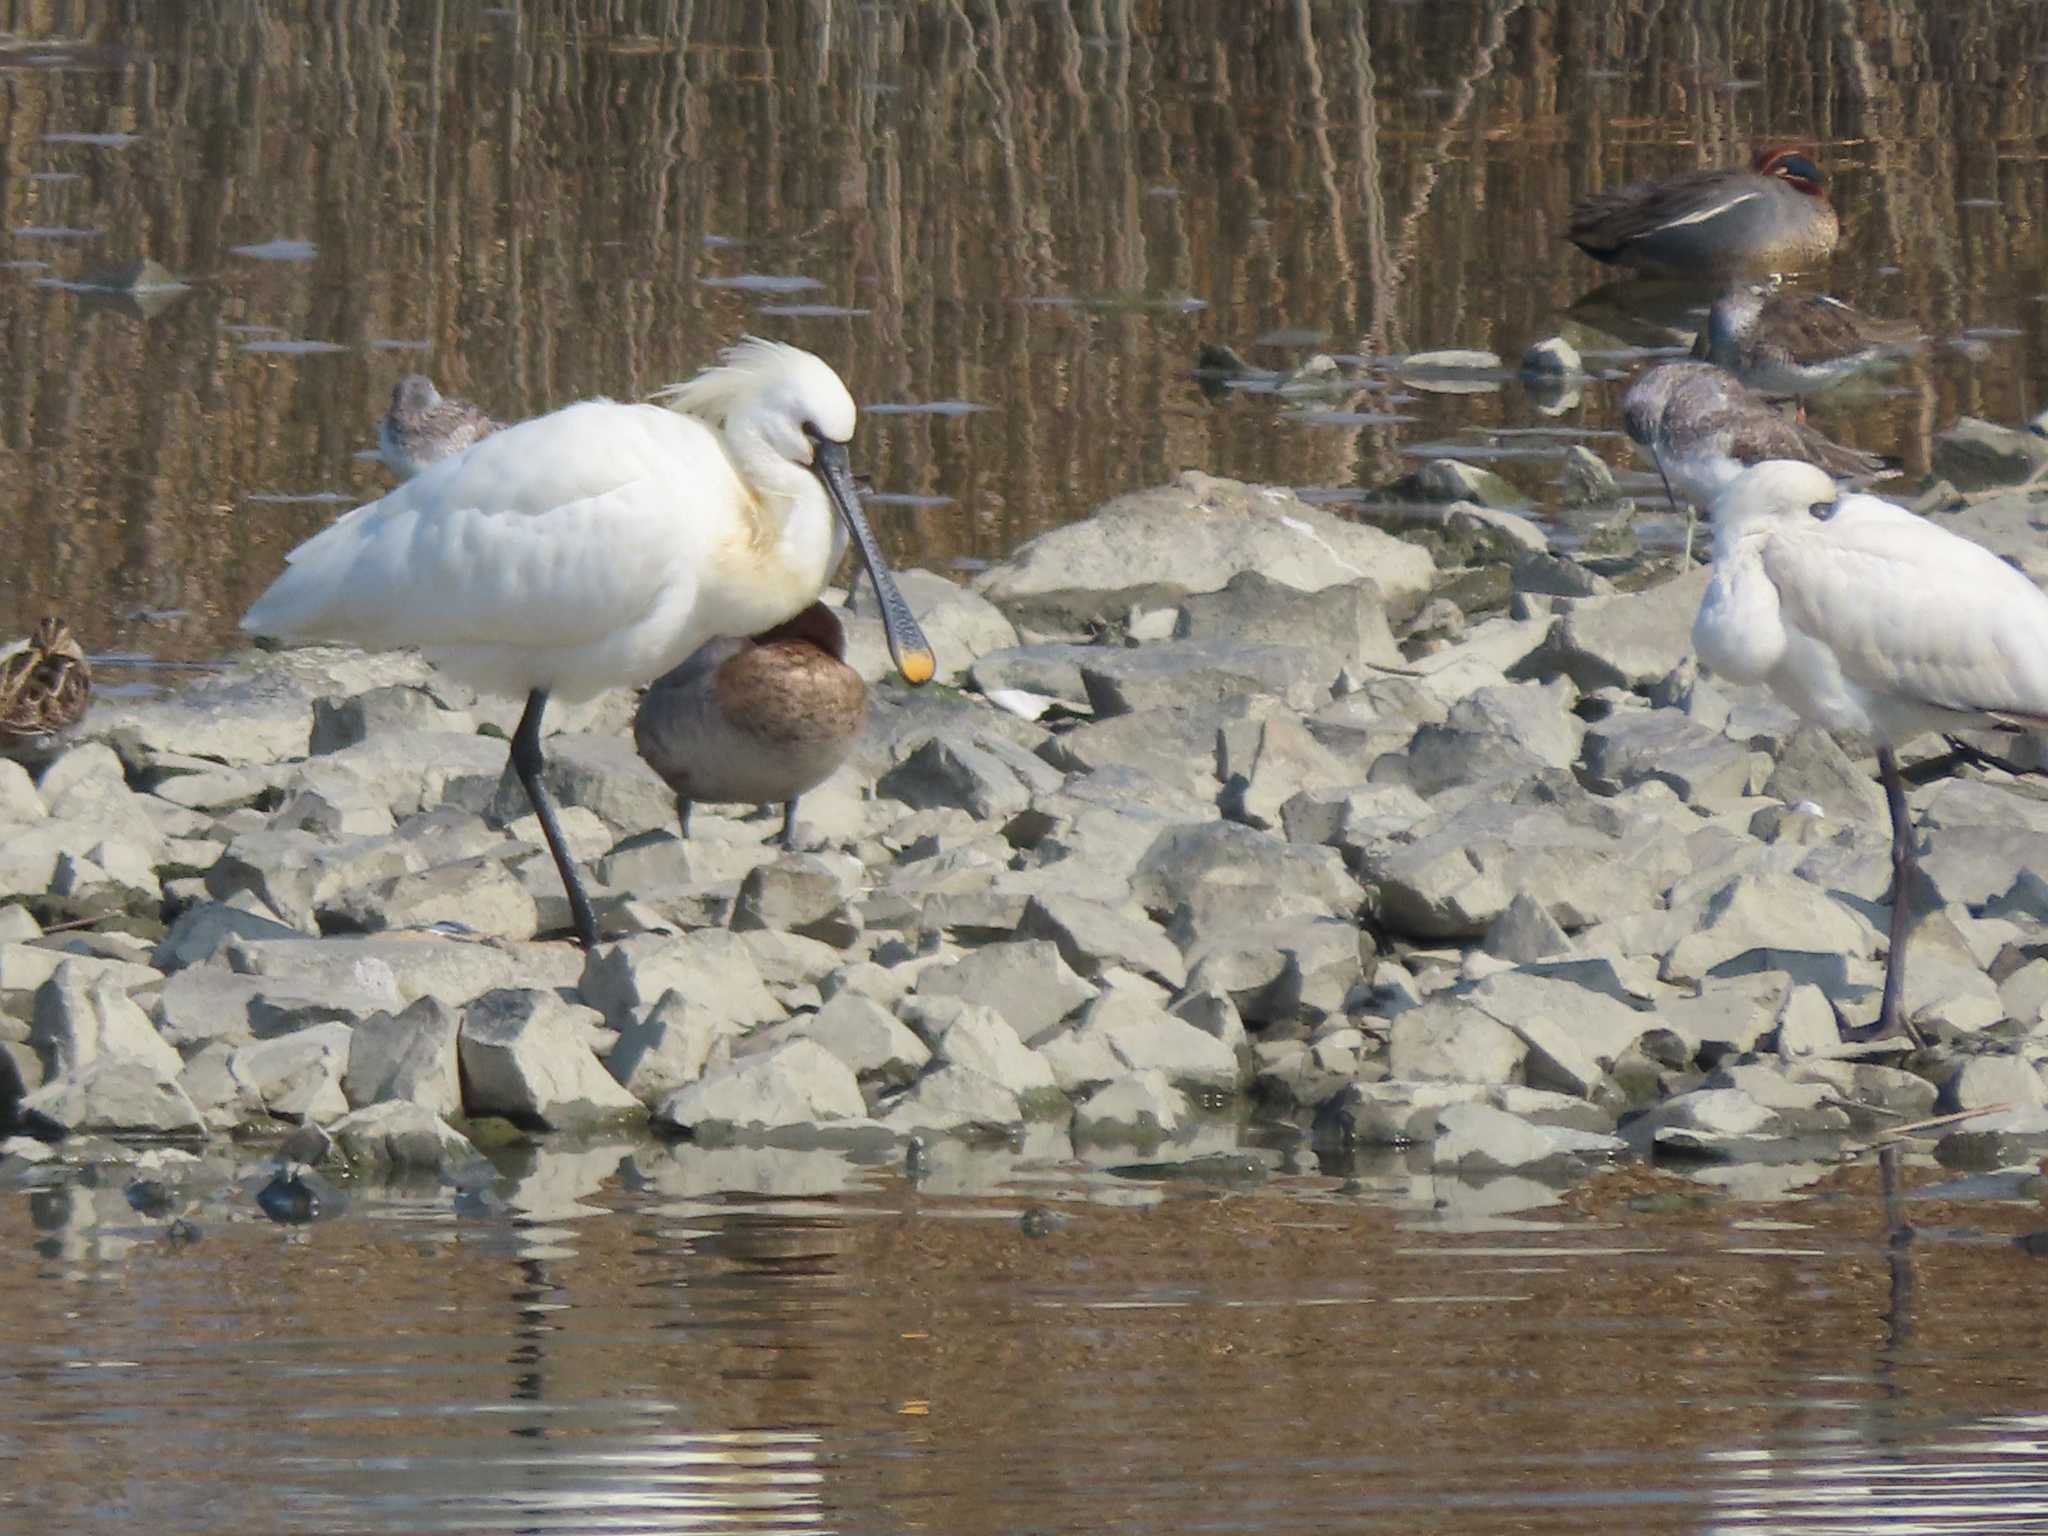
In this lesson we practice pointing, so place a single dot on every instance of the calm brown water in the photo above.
(605, 1342)
(1037, 210)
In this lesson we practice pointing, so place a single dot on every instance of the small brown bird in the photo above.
(757, 720)
(1789, 341)
(424, 426)
(1703, 225)
(45, 686)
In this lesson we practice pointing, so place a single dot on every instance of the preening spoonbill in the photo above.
(423, 426)
(1791, 341)
(599, 545)
(1863, 617)
(1771, 216)
(1703, 428)
(758, 719)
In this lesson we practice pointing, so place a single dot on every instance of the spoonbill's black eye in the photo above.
(811, 431)
(1821, 511)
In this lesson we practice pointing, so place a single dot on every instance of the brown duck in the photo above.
(755, 720)
(45, 685)
(1709, 225)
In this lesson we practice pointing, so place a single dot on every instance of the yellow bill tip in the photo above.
(918, 666)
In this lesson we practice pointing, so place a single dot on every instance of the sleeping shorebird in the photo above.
(1788, 341)
(45, 687)
(1864, 617)
(599, 545)
(1770, 217)
(423, 426)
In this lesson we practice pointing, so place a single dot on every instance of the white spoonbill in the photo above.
(599, 545)
(1863, 617)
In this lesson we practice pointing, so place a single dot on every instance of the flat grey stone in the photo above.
(1202, 853)
(1344, 625)
(1025, 982)
(297, 1077)
(397, 968)
(712, 970)
(410, 1056)
(1981, 1081)
(80, 1017)
(402, 1136)
(964, 1034)
(480, 896)
(1145, 1038)
(1637, 746)
(1553, 357)
(1265, 764)
(798, 1083)
(956, 1100)
(199, 931)
(526, 1055)
(1141, 1107)
(1052, 670)
(1477, 1137)
(1154, 547)
(883, 1052)
(1766, 912)
(1451, 876)
(1630, 641)
(1448, 1039)
(116, 1095)
(1811, 766)
(971, 772)
(203, 1003)
(1091, 936)
(802, 893)
(1187, 673)
(674, 1045)
(1508, 731)
(1525, 931)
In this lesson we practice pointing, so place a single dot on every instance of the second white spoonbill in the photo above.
(599, 545)
(1866, 618)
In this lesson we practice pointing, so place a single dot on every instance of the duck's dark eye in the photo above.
(1821, 511)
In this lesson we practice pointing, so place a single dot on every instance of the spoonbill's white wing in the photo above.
(583, 531)
(1911, 613)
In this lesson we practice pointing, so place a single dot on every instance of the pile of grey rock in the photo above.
(1218, 808)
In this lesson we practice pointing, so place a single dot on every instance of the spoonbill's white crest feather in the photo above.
(1865, 617)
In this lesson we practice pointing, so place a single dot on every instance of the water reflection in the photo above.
(649, 1338)
(1041, 210)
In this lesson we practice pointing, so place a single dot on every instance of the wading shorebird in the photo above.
(423, 426)
(1703, 428)
(1864, 617)
(598, 546)
(45, 686)
(1707, 225)
(1787, 341)
(759, 719)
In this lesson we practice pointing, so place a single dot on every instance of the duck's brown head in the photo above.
(1794, 165)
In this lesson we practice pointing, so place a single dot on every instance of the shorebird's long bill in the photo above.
(907, 644)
